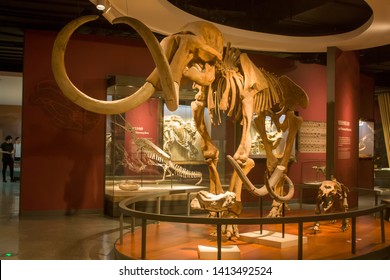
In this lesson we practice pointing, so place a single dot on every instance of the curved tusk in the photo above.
(169, 87)
(276, 176)
(247, 183)
(270, 183)
(101, 106)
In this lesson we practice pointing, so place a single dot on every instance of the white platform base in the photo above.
(210, 252)
(271, 238)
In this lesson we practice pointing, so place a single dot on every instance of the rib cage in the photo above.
(229, 84)
(269, 97)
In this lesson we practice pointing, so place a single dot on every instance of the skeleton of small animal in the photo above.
(176, 130)
(150, 154)
(329, 194)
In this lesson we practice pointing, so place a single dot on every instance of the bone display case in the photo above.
(135, 155)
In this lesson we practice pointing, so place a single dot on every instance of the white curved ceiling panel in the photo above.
(164, 18)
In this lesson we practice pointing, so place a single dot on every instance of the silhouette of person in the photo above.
(7, 149)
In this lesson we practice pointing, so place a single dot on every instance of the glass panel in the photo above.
(138, 158)
(366, 139)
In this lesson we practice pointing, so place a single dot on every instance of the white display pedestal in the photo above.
(271, 238)
(227, 252)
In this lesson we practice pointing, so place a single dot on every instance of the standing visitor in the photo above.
(7, 149)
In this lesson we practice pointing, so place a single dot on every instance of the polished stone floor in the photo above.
(79, 237)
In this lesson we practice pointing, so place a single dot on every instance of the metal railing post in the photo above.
(383, 225)
(188, 204)
(353, 235)
(143, 241)
(300, 241)
(133, 219)
(121, 229)
(219, 241)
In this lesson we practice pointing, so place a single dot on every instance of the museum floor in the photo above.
(78, 237)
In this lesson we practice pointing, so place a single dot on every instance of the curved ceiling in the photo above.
(272, 26)
(371, 29)
(282, 17)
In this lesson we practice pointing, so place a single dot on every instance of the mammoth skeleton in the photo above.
(227, 81)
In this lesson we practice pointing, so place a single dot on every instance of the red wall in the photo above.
(63, 145)
(312, 78)
(145, 121)
(347, 110)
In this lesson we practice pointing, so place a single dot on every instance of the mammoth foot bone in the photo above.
(229, 231)
(277, 209)
(221, 205)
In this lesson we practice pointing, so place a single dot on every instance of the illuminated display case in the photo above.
(366, 139)
(180, 138)
(148, 146)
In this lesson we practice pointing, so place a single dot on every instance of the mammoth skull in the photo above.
(190, 53)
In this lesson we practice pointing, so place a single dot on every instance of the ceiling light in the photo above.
(101, 5)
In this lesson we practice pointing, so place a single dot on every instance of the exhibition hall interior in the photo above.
(195, 130)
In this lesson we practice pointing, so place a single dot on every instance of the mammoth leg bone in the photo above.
(294, 123)
(241, 156)
(210, 152)
(275, 187)
(242, 153)
(242, 162)
(260, 126)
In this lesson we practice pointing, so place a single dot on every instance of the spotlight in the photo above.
(101, 5)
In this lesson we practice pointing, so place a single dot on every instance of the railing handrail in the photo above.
(123, 205)
(299, 220)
